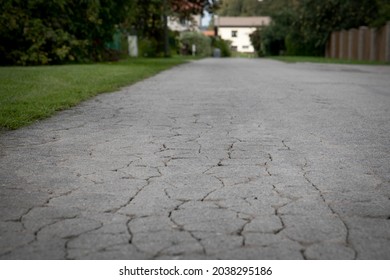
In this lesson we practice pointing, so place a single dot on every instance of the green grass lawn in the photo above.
(28, 94)
(294, 59)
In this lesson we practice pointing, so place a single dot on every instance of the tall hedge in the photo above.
(57, 31)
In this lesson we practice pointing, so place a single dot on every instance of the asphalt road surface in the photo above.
(214, 159)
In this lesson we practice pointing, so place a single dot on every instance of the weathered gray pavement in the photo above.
(216, 159)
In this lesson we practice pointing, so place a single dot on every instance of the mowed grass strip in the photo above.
(28, 94)
(312, 59)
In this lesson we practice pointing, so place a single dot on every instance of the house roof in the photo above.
(209, 33)
(242, 21)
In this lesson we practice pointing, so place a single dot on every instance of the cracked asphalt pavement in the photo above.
(214, 159)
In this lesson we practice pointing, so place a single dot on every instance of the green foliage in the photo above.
(302, 27)
(270, 7)
(235, 8)
(257, 42)
(223, 45)
(317, 19)
(202, 43)
(146, 17)
(383, 13)
(270, 40)
(36, 32)
(148, 47)
(57, 31)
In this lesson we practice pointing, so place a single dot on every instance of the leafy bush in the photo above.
(257, 43)
(57, 31)
(202, 43)
(149, 48)
(223, 45)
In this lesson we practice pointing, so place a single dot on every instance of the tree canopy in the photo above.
(58, 31)
(234, 8)
(302, 27)
(42, 32)
(147, 19)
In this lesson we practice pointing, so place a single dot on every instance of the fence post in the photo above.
(361, 42)
(350, 44)
(342, 44)
(333, 45)
(328, 48)
(387, 42)
(373, 48)
(132, 41)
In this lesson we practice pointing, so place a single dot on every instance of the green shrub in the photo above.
(268, 41)
(297, 46)
(148, 47)
(202, 43)
(39, 32)
(223, 45)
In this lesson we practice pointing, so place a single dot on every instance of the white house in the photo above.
(238, 29)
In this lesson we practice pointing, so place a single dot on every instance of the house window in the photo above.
(234, 33)
(245, 47)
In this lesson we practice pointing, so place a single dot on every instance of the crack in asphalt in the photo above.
(212, 171)
(347, 237)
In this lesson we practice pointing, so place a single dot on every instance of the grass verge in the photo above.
(28, 94)
(294, 59)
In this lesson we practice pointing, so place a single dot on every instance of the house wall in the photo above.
(242, 41)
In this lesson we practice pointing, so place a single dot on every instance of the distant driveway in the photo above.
(215, 159)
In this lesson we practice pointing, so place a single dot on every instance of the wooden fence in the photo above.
(371, 44)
